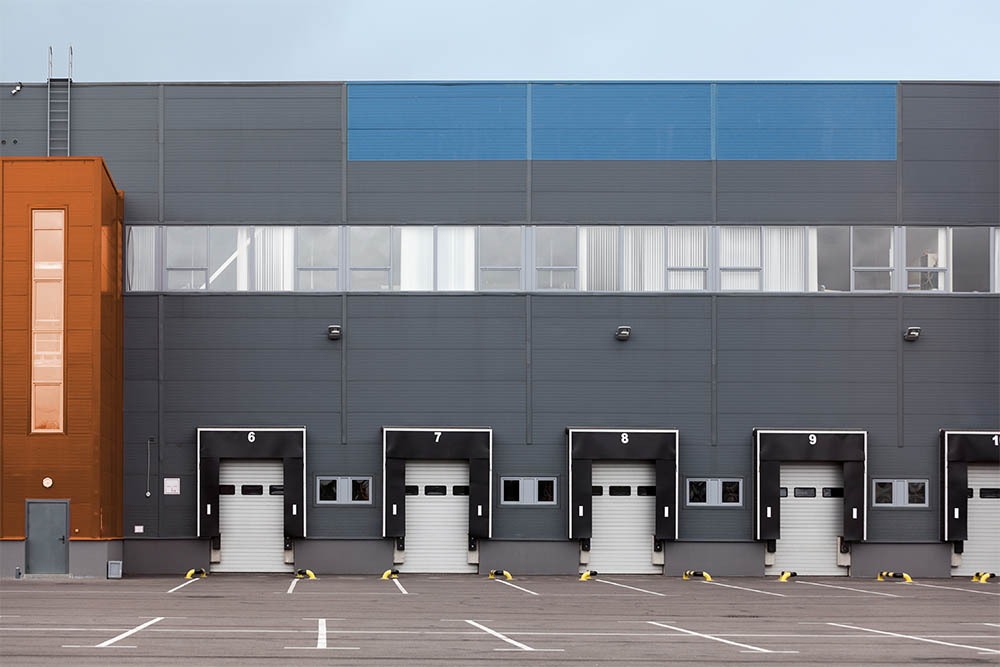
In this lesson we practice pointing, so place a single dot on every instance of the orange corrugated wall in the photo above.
(84, 462)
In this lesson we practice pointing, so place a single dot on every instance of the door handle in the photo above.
(62, 538)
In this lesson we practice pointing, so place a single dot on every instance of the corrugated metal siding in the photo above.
(252, 153)
(621, 191)
(437, 191)
(628, 121)
(799, 191)
(427, 121)
(121, 124)
(806, 121)
(951, 153)
(22, 118)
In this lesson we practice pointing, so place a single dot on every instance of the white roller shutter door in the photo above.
(623, 525)
(982, 549)
(810, 524)
(437, 520)
(251, 524)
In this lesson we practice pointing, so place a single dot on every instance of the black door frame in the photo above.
(586, 445)
(958, 450)
(287, 443)
(774, 446)
(402, 443)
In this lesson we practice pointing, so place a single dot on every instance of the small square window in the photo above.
(883, 493)
(730, 491)
(715, 492)
(344, 490)
(899, 492)
(646, 491)
(620, 490)
(327, 490)
(698, 491)
(991, 493)
(252, 490)
(435, 490)
(359, 490)
(599, 490)
(804, 492)
(528, 490)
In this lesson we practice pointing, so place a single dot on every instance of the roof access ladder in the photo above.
(58, 108)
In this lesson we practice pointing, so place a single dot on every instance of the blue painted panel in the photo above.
(610, 121)
(806, 121)
(436, 122)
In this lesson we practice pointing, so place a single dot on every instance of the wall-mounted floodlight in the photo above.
(333, 332)
(911, 333)
(623, 333)
(17, 88)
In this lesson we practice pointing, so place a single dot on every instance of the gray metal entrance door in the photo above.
(47, 543)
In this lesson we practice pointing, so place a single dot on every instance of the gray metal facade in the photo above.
(712, 366)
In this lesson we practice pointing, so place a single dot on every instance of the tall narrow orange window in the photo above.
(48, 237)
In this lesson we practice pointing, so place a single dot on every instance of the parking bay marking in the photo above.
(859, 590)
(177, 588)
(400, 586)
(752, 590)
(519, 645)
(950, 588)
(641, 590)
(127, 633)
(914, 638)
(507, 583)
(321, 640)
(751, 649)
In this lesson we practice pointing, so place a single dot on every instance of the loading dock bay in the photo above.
(458, 619)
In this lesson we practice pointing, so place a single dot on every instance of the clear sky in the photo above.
(397, 40)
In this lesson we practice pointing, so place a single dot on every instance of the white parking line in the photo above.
(517, 587)
(752, 590)
(845, 588)
(918, 639)
(400, 586)
(177, 588)
(291, 586)
(641, 590)
(751, 649)
(953, 588)
(321, 640)
(519, 645)
(128, 633)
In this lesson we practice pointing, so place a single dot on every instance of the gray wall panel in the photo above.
(434, 190)
(621, 191)
(261, 153)
(937, 144)
(806, 191)
(951, 154)
(22, 120)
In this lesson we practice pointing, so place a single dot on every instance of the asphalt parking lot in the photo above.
(464, 619)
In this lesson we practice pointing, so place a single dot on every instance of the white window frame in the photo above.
(900, 493)
(344, 491)
(713, 492)
(529, 491)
